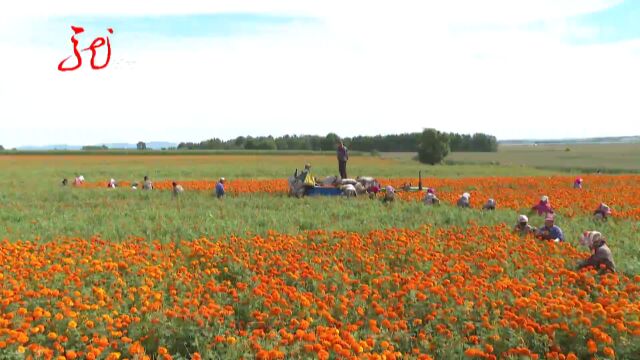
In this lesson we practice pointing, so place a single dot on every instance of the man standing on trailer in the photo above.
(343, 156)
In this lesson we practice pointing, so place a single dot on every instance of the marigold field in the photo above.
(621, 192)
(97, 273)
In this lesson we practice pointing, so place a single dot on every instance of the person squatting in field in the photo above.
(464, 201)
(147, 184)
(543, 207)
(603, 212)
(601, 258)
(430, 198)
(577, 184)
(522, 227)
(79, 180)
(489, 205)
(550, 231)
(177, 188)
(389, 194)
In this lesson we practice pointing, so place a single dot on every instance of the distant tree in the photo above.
(1, 147)
(95, 147)
(141, 145)
(434, 146)
(240, 141)
(329, 142)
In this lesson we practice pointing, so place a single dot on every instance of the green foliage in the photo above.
(434, 147)
(94, 147)
(407, 142)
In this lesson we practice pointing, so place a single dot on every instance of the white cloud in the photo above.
(371, 67)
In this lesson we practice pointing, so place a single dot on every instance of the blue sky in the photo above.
(617, 23)
(184, 26)
(202, 69)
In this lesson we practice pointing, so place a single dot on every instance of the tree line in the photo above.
(407, 142)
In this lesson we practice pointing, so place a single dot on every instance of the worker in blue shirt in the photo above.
(220, 188)
(550, 231)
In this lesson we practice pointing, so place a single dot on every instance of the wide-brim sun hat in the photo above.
(544, 198)
(523, 219)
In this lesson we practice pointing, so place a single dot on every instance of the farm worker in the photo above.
(349, 190)
(373, 189)
(295, 185)
(147, 184)
(577, 184)
(308, 181)
(431, 191)
(112, 184)
(177, 188)
(465, 200)
(299, 184)
(522, 226)
(431, 199)
(220, 188)
(489, 205)
(134, 186)
(65, 182)
(389, 194)
(79, 180)
(602, 212)
(550, 231)
(601, 252)
(543, 207)
(343, 155)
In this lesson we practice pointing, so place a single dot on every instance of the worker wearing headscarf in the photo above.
(601, 258)
(489, 205)
(602, 212)
(543, 207)
(522, 227)
(431, 199)
(389, 194)
(577, 183)
(464, 201)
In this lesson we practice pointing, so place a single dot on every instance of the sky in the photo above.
(192, 70)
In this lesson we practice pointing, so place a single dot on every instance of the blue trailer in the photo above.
(324, 191)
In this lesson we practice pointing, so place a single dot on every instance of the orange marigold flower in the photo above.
(607, 351)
